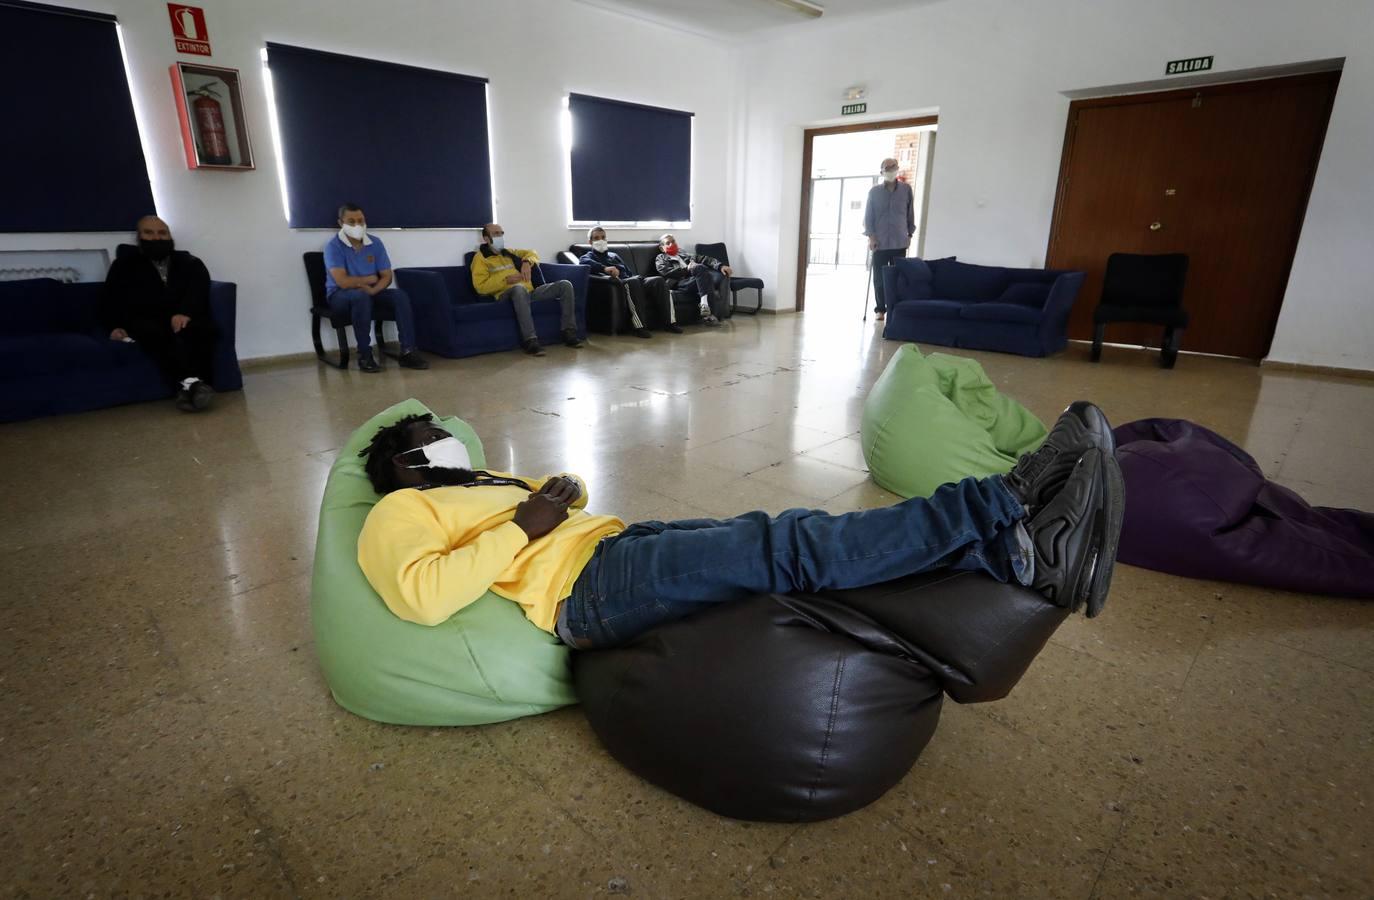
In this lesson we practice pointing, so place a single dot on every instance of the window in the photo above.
(629, 164)
(72, 159)
(409, 145)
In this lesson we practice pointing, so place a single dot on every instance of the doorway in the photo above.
(839, 166)
(1221, 173)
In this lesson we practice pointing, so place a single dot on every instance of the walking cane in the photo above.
(868, 282)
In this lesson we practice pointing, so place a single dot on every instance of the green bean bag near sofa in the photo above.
(485, 664)
(930, 420)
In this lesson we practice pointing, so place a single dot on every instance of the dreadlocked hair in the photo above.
(385, 444)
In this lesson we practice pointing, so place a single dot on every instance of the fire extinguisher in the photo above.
(214, 144)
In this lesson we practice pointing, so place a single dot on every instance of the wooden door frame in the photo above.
(1206, 90)
(808, 135)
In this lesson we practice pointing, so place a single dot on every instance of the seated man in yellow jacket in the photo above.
(504, 274)
(444, 534)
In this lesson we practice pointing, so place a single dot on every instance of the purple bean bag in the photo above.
(1198, 505)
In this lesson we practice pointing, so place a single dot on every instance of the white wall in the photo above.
(996, 70)
(534, 52)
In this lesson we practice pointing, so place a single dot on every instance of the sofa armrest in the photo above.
(1054, 322)
(890, 292)
(435, 329)
(226, 375)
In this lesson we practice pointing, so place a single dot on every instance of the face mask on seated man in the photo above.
(443, 535)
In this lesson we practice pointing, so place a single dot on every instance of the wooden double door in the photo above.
(1221, 173)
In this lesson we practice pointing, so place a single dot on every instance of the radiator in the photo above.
(65, 274)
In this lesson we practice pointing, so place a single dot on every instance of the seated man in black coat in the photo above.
(604, 261)
(159, 298)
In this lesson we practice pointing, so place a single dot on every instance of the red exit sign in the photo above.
(188, 29)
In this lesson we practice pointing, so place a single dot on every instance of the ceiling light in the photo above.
(805, 7)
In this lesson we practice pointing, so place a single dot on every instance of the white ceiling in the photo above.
(743, 18)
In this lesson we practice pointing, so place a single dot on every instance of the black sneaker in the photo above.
(1075, 534)
(1039, 474)
(411, 359)
(184, 401)
(570, 339)
(531, 346)
(710, 320)
(674, 328)
(368, 364)
(201, 395)
(643, 333)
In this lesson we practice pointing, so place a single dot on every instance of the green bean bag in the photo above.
(485, 664)
(930, 420)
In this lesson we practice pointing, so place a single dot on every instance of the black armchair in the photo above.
(737, 282)
(1144, 288)
(319, 310)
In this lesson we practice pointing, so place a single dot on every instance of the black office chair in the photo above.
(319, 310)
(1144, 288)
(737, 282)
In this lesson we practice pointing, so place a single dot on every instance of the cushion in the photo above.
(913, 278)
(50, 354)
(930, 309)
(956, 280)
(931, 420)
(485, 664)
(1002, 312)
(26, 306)
(1026, 293)
(812, 705)
(1199, 506)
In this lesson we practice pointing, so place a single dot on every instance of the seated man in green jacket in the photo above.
(504, 274)
(444, 534)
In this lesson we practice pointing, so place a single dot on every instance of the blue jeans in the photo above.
(392, 303)
(654, 572)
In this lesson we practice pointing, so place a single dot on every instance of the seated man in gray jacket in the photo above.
(705, 271)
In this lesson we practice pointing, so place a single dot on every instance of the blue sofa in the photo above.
(955, 304)
(453, 320)
(55, 357)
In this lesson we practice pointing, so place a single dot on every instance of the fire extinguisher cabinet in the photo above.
(214, 131)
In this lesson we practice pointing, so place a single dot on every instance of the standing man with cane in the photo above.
(889, 223)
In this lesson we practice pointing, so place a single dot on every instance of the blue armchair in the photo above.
(55, 357)
(954, 304)
(453, 320)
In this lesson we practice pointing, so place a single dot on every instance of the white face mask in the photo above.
(498, 243)
(446, 453)
(600, 246)
(357, 232)
(889, 175)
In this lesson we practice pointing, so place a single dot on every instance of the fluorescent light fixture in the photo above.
(805, 7)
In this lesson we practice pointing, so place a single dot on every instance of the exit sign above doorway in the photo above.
(850, 109)
(1186, 66)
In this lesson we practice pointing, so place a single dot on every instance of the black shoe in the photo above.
(194, 398)
(368, 364)
(1039, 474)
(570, 339)
(710, 320)
(531, 346)
(674, 328)
(411, 359)
(1075, 535)
(643, 333)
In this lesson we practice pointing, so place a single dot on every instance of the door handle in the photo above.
(1155, 226)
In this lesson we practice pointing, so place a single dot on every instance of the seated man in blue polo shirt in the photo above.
(358, 281)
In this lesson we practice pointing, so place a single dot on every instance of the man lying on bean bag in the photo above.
(444, 534)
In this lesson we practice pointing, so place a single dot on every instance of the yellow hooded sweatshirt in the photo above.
(429, 553)
(489, 272)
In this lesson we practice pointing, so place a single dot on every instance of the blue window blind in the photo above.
(409, 145)
(71, 158)
(630, 163)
